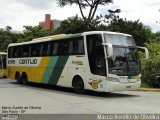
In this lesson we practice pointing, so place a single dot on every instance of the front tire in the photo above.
(78, 85)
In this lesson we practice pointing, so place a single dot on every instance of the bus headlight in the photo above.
(113, 79)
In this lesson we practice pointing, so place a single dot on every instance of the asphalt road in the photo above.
(43, 99)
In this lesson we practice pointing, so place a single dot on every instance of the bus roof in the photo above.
(105, 32)
(3, 53)
(64, 36)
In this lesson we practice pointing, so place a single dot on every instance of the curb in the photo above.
(149, 89)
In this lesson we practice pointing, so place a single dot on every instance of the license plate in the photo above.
(128, 87)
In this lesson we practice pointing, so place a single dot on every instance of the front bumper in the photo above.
(117, 86)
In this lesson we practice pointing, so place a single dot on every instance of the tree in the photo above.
(155, 36)
(8, 28)
(83, 4)
(6, 37)
(32, 32)
(140, 32)
(76, 25)
(151, 69)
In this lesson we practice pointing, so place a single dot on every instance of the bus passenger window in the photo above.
(25, 51)
(35, 50)
(45, 49)
(16, 52)
(10, 52)
(70, 49)
(78, 46)
(63, 48)
(54, 48)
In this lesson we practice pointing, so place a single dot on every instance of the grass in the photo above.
(145, 85)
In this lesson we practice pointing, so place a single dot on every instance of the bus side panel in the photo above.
(13, 69)
(54, 70)
(74, 67)
(3, 73)
(48, 69)
(34, 72)
(95, 82)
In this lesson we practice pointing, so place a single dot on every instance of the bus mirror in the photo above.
(145, 50)
(109, 49)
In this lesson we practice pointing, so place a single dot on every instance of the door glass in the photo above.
(96, 55)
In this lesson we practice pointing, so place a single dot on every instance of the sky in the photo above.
(17, 13)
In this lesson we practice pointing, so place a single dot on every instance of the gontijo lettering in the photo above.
(11, 61)
(28, 61)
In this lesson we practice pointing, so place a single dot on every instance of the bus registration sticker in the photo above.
(94, 84)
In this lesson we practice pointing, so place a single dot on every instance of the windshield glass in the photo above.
(124, 61)
(118, 39)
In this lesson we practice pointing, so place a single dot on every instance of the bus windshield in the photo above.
(124, 61)
(117, 39)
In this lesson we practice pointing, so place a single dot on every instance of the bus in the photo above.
(97, 60)
(3, 71)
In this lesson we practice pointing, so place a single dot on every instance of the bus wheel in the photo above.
(24, 79)
(78, 85)
(17, 77)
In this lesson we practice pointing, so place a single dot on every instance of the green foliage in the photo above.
(34, 32)
(76, 25)
(145, 85)
(6, 38)
(92, 5)
(140, 33)
(151, 69)
(155, 36)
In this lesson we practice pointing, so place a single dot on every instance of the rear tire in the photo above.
(24, 79)
(17, 77)
(78, 85)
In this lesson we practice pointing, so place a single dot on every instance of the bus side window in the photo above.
(70, 49)
(78, 46)
(25, 51)
(54, 48)
(35, 50)
(10, 52)
(14, 52)
(66, 46)
(17, 52)
(63, 47)
(45, 48)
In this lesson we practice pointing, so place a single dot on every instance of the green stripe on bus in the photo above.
(49, 68)
(57, 71)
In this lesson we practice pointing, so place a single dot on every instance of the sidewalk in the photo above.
(149, 89)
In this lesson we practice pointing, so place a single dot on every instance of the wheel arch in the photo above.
(77, 77)
(24, 74)
(17, 74)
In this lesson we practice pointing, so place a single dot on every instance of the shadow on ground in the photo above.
(64, 90)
